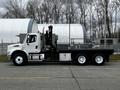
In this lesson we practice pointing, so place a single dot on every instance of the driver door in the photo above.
(32, 44)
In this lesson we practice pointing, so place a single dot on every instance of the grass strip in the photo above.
(3, 58)
(115, 57)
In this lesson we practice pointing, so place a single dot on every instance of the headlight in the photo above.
(8, 53)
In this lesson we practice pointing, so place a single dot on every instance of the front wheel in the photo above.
(19, 59)
(99, 59)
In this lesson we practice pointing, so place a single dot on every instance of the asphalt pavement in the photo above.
(46, 76)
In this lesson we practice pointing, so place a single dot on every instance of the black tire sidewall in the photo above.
(21, 55)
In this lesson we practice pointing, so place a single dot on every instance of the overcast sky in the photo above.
(2, 2)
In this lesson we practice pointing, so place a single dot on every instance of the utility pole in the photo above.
(115, 29)
(105, 36)
(69, 19)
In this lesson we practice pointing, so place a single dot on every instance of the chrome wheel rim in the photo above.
(19, 60)
(81, 59)
(99, 59)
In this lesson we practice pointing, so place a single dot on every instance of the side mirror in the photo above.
(28, 39)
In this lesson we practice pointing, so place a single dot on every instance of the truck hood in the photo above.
(15, 45)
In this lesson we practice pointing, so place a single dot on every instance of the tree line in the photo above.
(98, 16)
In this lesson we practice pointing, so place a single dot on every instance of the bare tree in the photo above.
(56, 11)
(83, 8)
(15, 9)
(68, 12)
(106, 13)
(46, 11)
(33, 9)
(104, 16)
(115, 7)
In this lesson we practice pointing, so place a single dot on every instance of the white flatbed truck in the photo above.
(44, 47)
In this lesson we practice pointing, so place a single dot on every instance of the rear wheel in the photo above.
(82, 59)
(99, 59)
(19, 59)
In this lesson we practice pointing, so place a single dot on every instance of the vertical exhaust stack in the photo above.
(50, 34)
(52, 38)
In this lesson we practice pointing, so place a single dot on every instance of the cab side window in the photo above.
(32, 39)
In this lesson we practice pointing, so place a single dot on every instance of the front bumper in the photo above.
(9, 57)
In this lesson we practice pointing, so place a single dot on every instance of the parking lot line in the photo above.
(22, 78)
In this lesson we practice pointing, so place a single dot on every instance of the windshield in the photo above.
(31, 38)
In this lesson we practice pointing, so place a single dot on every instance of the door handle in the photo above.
(36, 47)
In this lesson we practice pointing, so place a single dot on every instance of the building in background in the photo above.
(9, 28)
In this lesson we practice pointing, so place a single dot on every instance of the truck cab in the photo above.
(18, 52)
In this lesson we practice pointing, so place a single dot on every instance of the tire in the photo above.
(82, 59)
(19, 59)
(99, 59)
